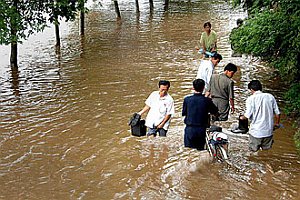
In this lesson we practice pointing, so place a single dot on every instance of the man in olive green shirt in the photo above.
(220, 89)
(208, 40)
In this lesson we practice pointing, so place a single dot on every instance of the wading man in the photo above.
(206, 69)
(195, 109)
(160, 108)
(220, 89)
(260, 110)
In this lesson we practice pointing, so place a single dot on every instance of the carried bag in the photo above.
(138, 127)
(243, 125)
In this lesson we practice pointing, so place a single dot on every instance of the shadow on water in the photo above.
(64, 115)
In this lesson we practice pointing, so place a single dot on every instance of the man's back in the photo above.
(205, 71)
(221, 86)
(196, 108)
(260, 110)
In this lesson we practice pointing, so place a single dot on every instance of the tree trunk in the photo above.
(14, 55)
(166, 6)
(82, 18)
(14, 43)
(117, 8)
(137, 6)
(151, 5)
(82, 22)
(57, 33)
(15, 81)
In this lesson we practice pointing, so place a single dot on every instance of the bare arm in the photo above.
(277, 121)
(207, 94)
(232, 104)
(161, 125)
(145, 109)
(214, 46)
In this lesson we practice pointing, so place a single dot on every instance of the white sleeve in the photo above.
(149, 100)
(249, 109)
(275, 107)
(170, 109)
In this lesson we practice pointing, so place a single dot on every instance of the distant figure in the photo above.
(260, 110)
(208, 40)
(161, 108)
(195, 109)
(239, 23)
(220, 89)
(206, 68)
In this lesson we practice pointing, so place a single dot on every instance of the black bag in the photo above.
(243, 125)
(137, 125)
(139, 129)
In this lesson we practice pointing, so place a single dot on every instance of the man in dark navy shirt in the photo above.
(196, 108)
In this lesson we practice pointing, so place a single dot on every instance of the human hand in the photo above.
(160, 126)
(232, 110)
(277, 126)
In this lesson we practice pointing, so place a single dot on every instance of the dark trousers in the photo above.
(194, 137)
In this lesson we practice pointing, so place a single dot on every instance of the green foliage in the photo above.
(297, 140)
(251, 5)
(273, 35)
(19, 19)
(65, 9)
(293, 100)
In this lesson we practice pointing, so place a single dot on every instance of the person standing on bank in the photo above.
(206, 69)
(160, 108)
(195, 109)
(220, 89)
(260, 110)
(208, 39)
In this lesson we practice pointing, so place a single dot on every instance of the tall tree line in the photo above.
(20, 19)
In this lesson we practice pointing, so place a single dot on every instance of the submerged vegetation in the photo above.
(272, 32)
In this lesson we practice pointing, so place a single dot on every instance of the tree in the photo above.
(18, 20)
(117, 9)
(66, 9)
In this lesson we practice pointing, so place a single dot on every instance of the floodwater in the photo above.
(63, 117)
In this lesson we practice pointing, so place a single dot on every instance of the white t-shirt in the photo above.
(205, 71)
(159, 108)
(260, 109)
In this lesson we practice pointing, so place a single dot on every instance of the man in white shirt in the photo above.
(206, 69)
(260, 109)
(160, 107)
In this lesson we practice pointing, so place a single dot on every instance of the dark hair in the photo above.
(230, 67)
(198, 85)
(164, 82)
(207, 24)
(239, 21)
(217, 56)
(255, 85)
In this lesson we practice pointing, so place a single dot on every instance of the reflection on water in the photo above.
(64, 114)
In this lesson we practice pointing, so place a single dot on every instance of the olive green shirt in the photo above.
(221, 86)
(209, 40)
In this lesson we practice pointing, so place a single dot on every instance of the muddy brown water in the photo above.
(64, 132)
